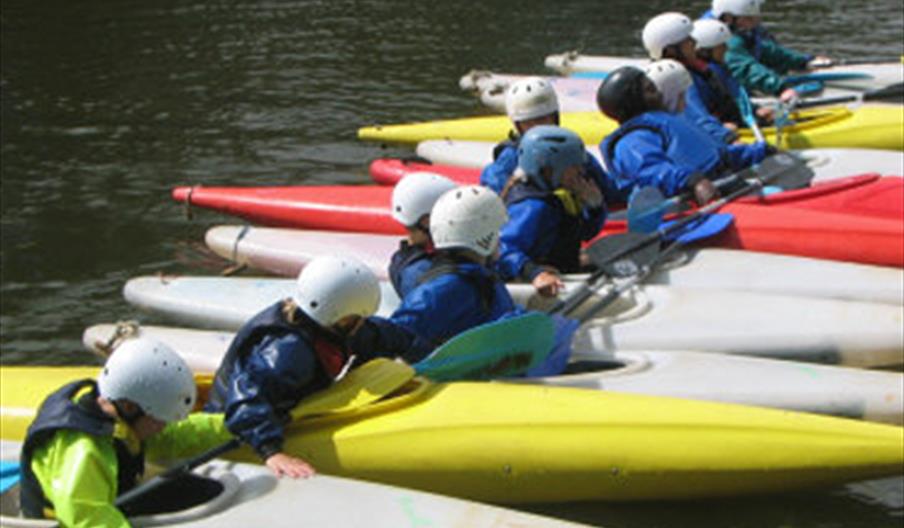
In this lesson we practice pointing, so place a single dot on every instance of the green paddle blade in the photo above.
(499, 349)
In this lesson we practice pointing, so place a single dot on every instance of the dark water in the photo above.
(107, 105)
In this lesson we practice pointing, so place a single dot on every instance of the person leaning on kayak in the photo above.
(412, 199)
(299, 346)
(654, 147)
(552, 206)
(89, 440)
(460, 290)
(709, 104)
(531, 102)
(755, 59)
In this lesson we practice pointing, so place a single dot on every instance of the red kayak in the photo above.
(768, 224)
(868, 194)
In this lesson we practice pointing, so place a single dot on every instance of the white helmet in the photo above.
(530, 98)
(665, 30)
(671, 79)
(415, 194)
(151, 375)
(330, 288)
(710, 33)
(736, 7)
(468, 217)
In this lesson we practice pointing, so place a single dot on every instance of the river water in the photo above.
(106, 105)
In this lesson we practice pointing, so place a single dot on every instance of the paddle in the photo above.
(368, 383)
(566, 306)
(747, 115)
(509, 347)
(825, 77)
(892, 91)
(862, 60)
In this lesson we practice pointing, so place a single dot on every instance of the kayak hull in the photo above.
(878, 127)
(286, 251)
(650, 317)
(836, 391)
(510, 443)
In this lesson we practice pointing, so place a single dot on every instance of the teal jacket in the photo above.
(760, 63)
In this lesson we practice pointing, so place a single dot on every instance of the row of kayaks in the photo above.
(522, 443)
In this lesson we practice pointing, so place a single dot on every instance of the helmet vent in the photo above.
(314, 304)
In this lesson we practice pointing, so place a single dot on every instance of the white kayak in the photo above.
(252, 496)
(285, 252)
(880, 74)
(648, 317)
(790, 385)
(826, 163)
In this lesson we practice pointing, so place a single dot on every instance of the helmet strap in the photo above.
(128, 417)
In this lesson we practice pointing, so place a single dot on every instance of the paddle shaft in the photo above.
(866, 60)
(568, 305)
(889, 92)
(176, 471)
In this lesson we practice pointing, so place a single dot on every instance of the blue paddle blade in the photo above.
(9, 475)
(646, 207)
(704, 227)
(809, 89)
(589, 75)
(826, 77)
(505, 348)
(557, 360)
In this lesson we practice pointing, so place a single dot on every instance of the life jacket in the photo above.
(449, 264)
(512, 142)
(59, 412)
(330, 350)
(717, 97)
(684, 144)
(408, 260)
(564, 242)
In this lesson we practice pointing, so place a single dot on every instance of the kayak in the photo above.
(825, 163)
(786, 230)
(246, 490)
(518, 443)
(578, 93)
(880, 127)
(648, 317)
(867, 194)
(286, 251)
(838, 391)
(877, 75)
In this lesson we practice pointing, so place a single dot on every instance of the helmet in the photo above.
(551, 147)
(530, 98)
(331, 288)
(665, 30)
(151, 375)
(468, 217)
(736, 7)
(415, 194)
(710, 33)
(620, 96)
(671, 79)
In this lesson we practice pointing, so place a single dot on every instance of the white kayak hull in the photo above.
(880, 74)
(826, 164)
(252, 496)
(837, 391)
(650, 317)
(286, 251)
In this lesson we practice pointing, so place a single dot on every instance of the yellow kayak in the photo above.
(875, 126)
(516, 443)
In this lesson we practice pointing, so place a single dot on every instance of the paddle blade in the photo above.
(505, 348)
(702, 228)
(9, 475)
(557, 360)
(646, 207)
(784, 169)
(600, 253)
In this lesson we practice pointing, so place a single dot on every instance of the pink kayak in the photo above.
(766, 224)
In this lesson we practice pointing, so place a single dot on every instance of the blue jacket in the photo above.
(666, 150)
(453, 296)
(541, 233)
(406, 266)
(710, 103)
(272, 365)
(505, 161)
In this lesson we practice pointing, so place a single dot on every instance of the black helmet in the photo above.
(621, 94)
